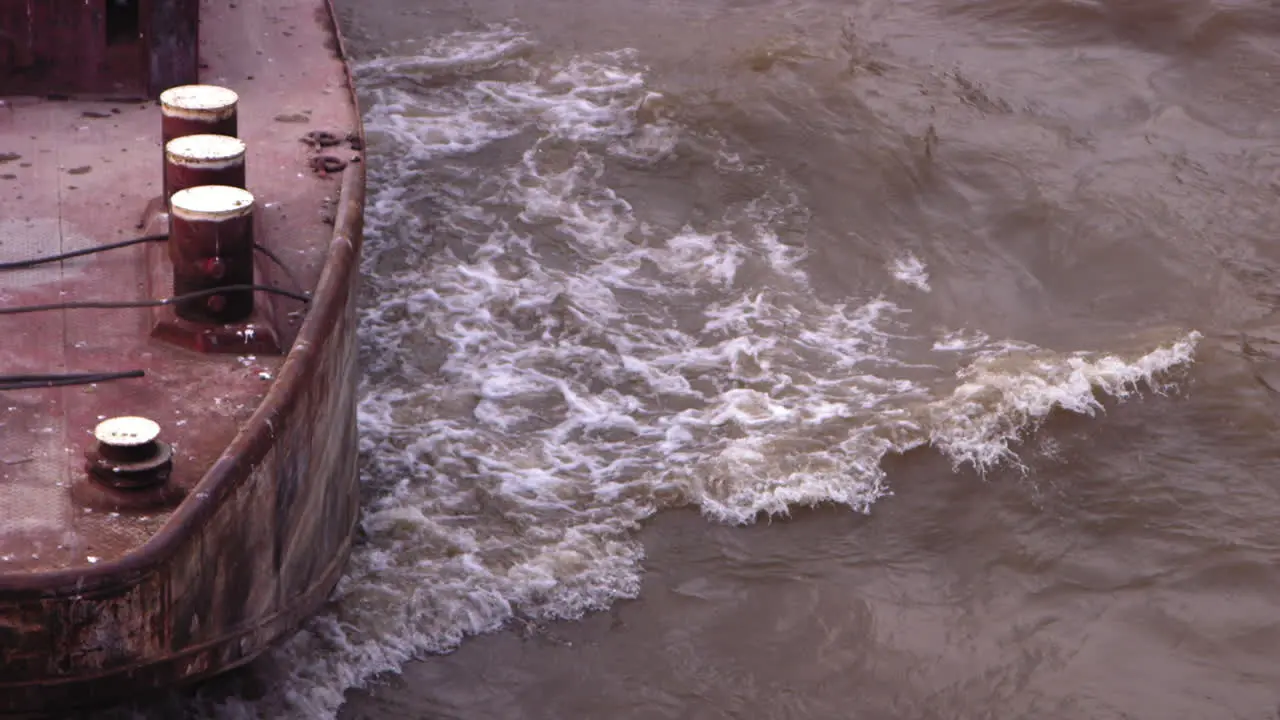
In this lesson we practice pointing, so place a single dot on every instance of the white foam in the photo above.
(548, 367)
(453, 54)
(961, 341)
(909, 270)
(1002, 397)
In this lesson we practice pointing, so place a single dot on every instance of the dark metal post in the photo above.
(128, 455)
(195, 160)
(197, 110)
(211, 246)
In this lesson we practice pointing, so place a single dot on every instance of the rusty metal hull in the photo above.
(268, 487)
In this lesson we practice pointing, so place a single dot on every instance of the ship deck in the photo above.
(78, 174)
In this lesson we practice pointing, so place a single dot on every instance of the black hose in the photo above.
(33, 262)
(37, 261)
(28, 382)
(34, 381)
(116, 304)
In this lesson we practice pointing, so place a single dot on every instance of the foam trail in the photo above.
(548, 365)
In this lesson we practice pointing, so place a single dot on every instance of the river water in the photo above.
(810, 359)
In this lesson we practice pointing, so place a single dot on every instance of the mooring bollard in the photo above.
(128, 455)
(211, 246)
(196, 110)
(194, 160)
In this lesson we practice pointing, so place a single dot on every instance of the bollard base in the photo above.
(252, 337)
(89, 492)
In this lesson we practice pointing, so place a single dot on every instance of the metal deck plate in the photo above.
(84, 175)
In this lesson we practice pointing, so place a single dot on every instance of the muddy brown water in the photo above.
(1070, 173)
(804, 359)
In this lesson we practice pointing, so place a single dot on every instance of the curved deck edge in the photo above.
(257, 546)
(193, 664)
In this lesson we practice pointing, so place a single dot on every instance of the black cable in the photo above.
(33, 262)
(118, 304)
(279, 263)
(29, 382)
(53, 376)
(37, 261)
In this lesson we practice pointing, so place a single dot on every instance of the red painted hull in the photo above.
(269, 480)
